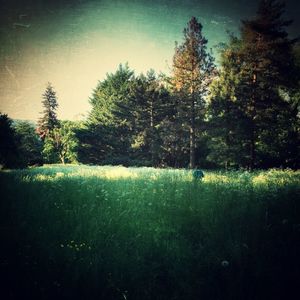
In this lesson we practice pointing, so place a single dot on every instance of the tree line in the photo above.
(243, 113)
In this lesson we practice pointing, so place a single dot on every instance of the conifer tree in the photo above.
(193, 70)
(248, 99)
(267, 66)
(144, 110)
(49, 119)
(108, 131)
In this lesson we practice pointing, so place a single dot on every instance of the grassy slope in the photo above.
(115, 233)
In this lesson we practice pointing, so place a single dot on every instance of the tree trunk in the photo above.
(152, 131)
(62, 158)
(252, 153)
(192, 136)
(151, 114)
(253, 126)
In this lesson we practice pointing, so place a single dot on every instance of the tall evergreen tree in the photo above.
(193, 70)
(248, 98)
(227, 124)
(267, 65)
(49, 119)
(113, 90)
(144, 110)
(107, 137)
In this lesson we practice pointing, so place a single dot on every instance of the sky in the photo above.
(74, 43)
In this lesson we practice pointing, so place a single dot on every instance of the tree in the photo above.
(61, 145)
(49, 119)
(249, 105)
(144, 111)
(107, 137)
(124, 126)
(267, 66)
(193, 70)
(9, 156)
(110, 92)
(29, 144)
(227, 124)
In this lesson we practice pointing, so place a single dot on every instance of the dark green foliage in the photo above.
(227, 124)
(106, 136)
(19, 143)
(114, 90)
(136, 120)
(266, 53)
(9, 155)
(92, 147)
(246, 118)
(253, 122)
(174, 140)
(125, 124)
(101, 144)
(59, 137)
(145, 110)
(29, 144)
(49, 119)
(61, 144)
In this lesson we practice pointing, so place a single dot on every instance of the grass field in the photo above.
(80, 232)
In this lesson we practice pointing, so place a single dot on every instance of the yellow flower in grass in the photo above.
(261, 179)
(215, 178)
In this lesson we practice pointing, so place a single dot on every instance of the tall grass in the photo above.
(80, 232)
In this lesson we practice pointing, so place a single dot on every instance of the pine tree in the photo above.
(267, 66)
(193, 70)
(227, 124)
(248, 105)
(109, 93)
(49, 119)
(107, 136)
(144, 110)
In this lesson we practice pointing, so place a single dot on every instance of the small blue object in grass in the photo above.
(198, 174)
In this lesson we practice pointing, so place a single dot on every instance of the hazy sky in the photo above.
(73, 44)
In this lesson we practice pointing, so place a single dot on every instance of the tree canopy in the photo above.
(243, 113)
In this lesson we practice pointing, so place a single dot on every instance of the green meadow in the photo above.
(85, 232)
